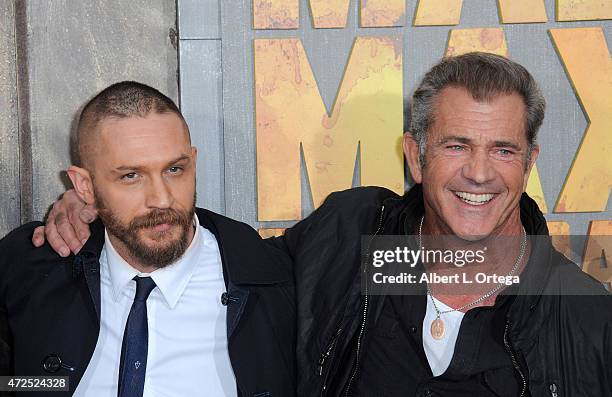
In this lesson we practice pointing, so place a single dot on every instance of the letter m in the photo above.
(290, 114)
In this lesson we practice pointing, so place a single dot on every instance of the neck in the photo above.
(458, 295)
(502, 256)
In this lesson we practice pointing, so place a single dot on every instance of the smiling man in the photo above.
(476, 160)
(163, 298)
(470, 146)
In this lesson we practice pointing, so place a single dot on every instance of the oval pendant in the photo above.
(437, 329)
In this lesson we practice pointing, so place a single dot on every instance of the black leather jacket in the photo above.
(559, 338)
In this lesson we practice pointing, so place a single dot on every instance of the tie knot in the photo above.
(144, 286)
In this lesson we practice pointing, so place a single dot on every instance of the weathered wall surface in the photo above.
(9, 121)
(67, 51)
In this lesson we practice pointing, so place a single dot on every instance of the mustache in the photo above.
(158, 217)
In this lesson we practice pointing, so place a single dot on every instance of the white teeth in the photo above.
(474, 199)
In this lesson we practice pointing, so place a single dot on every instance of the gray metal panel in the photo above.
(76, 48)
(9, 134)
(238, 106)
(327, 50)
(201, 85)
(199, 19)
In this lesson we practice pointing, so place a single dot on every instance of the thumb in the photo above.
(38, 238)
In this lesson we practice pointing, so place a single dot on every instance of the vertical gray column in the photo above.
(201, 83)
(9, 131)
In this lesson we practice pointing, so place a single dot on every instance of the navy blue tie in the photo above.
(135, 342)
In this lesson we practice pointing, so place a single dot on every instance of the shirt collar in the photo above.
(171, 280)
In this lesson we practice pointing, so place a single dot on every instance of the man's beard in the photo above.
(156, 256)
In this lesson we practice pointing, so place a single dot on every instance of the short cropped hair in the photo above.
(121, 100)
(485, 76)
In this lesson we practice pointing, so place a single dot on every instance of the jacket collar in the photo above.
(535, 276)
(246, 258)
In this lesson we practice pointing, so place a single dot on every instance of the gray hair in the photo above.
(484, 76)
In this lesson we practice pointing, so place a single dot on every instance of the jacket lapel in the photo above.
(247, 266)
(87, 261)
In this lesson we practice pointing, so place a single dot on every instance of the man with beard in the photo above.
(163, 298)
(470, 146)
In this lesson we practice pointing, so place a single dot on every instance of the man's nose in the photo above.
(159, 194)
(479, 169)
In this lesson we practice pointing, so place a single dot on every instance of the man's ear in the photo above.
(411, 151)
(82, 183)
(534, 156)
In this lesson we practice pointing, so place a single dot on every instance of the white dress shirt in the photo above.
(187, 353)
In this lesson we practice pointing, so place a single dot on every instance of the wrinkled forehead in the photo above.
(457, 111)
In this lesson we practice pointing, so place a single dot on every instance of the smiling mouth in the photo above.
(473, 198)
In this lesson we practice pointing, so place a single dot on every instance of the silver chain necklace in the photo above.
(437, 327)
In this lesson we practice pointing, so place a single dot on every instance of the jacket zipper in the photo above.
(514, 361)
(365, 309)
(325, 355)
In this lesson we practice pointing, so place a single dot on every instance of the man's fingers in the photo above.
(67, 226)
(77, 224)
(82, 231)
(67, 233)
(55, 240)
(38, 237)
